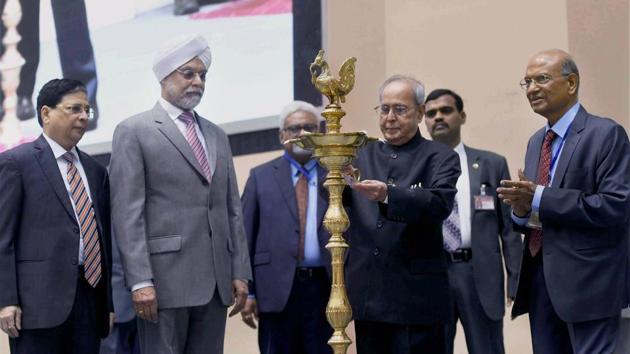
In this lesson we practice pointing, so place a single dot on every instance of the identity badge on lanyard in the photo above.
(484, 201)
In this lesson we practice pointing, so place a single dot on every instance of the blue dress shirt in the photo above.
(312, 254)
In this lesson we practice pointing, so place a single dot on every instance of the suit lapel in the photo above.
(48, 164)
(210, 137)
(322, 202)
(94, 184)
(282, 175)
(533, 155)
(474, 176)
(169, 129)
(572, 139)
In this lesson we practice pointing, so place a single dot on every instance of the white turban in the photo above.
(178, 51)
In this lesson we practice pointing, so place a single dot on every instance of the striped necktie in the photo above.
(451, 230)
(195, 143)
(544, 167)
(87, 221)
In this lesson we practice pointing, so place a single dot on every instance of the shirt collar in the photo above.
(562, 125)
(459, 148)
(309, 166)
(173, 111)
(58, 150)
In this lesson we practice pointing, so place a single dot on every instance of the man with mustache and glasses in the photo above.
(573, 204)
(396, 271)
(283, 206)
(177, 212)
(478, 228)
(55, 244)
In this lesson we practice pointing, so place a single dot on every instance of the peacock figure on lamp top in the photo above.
(331, 87)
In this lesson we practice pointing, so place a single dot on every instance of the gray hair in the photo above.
(569, 67)
(416, 85)
(297, 106)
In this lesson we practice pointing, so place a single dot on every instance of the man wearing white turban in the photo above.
(177, 212)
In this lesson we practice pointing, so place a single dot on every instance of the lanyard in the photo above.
(298, 166)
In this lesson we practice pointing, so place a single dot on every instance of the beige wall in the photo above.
(599, 42)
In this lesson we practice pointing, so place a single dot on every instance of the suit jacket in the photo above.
(120, 293)
(491, 233)
(173, 225)
(396, 267)
(272, 227)
(39, 236)
(585, 216)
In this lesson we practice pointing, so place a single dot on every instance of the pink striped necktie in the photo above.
(87, 222)
(195, 144)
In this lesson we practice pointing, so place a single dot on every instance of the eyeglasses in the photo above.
(77, 109)
(296, 129)
(399, 110)
(444, 110)
(541, 79)
(190, 74)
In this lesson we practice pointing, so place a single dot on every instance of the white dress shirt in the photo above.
(463, 196)
(58, 152)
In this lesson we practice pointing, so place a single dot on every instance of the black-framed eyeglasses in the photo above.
(190, 74)
(399, 110)
(297, 128)
(444, 110)
(77, 109)
(540, 79)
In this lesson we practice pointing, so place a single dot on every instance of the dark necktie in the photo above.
(301, 195)
(87, 221)
(544, 167)
(195, 143)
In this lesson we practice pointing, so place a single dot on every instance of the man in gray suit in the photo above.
(478, 228)
(177, 212)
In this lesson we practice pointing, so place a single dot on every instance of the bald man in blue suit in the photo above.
(573, 204)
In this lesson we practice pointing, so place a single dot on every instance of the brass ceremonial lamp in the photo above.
(334, 151)
(10, 66)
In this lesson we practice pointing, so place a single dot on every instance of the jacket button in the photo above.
(76, 230)
(390, 181)
(379, 224)
(74, 261)
(204, 182)
(394, 155)
(376, 252)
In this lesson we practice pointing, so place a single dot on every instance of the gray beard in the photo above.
(185, 102)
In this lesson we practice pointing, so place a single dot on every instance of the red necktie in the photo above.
(301, 195)
(544, 172)
(87, 221)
